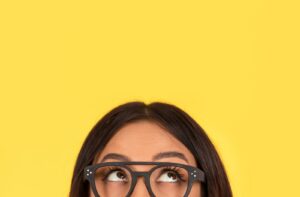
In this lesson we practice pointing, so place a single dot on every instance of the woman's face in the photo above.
(143, 141)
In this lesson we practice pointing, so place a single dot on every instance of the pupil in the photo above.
(120, 175)
(171, 175)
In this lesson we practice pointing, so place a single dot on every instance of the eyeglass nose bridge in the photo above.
(146, 176)
(141, 173)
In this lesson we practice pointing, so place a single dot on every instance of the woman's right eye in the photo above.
(116, 176)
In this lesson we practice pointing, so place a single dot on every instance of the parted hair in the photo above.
(176, 121)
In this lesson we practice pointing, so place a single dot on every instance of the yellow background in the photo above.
(232, 65)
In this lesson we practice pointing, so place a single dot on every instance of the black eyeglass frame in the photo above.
(195, 174)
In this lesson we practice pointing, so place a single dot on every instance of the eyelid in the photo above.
(174, 169)
(111, 170)
(108, 171)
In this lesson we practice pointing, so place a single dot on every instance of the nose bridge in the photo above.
(140, 188)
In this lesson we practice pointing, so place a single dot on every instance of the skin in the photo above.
(141, 141)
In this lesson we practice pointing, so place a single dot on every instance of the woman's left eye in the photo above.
(169, 177)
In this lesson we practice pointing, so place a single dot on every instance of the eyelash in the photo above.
(175, 170)
(109, 171)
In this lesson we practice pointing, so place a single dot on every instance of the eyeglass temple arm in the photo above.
(198, 174)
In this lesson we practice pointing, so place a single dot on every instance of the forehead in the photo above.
(143, 139)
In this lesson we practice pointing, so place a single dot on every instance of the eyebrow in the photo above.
(115, 156)
(170, 154)
(161, 155)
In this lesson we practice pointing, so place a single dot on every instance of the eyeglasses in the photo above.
(165, 179)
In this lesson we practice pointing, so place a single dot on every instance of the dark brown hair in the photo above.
(175, 121)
